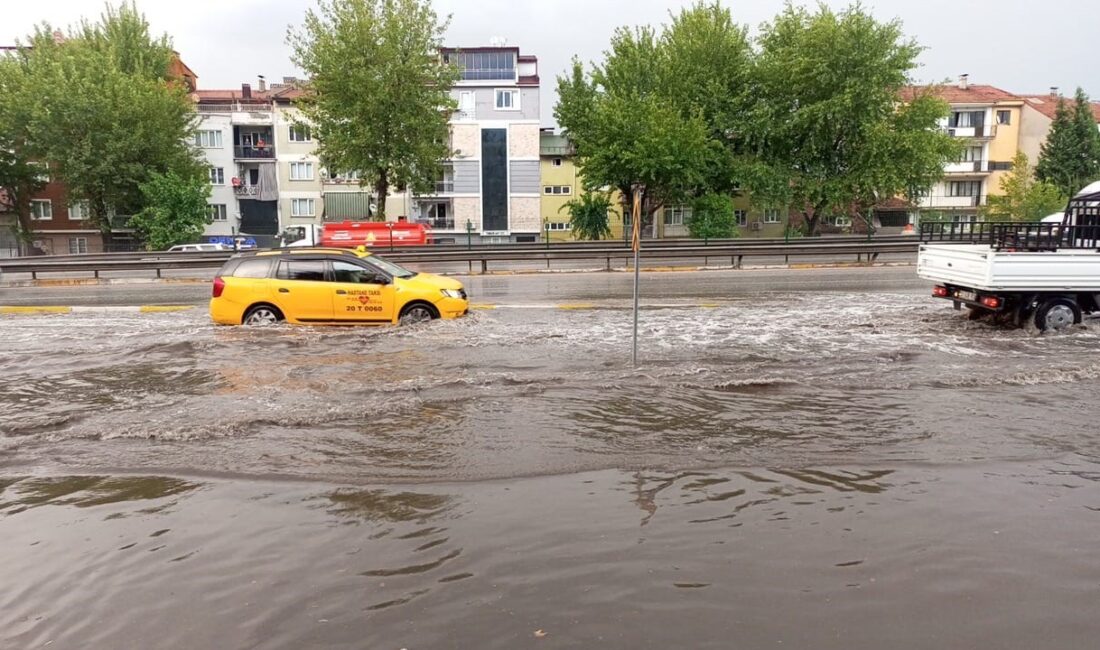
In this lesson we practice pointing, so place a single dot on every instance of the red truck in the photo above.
(352, 234)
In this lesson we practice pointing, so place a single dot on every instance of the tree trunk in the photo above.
(811, 222)
(102, 219)
(382, 190)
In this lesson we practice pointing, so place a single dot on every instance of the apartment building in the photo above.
(236, 134)
(301, 199)
(490, 187)
(994, 125)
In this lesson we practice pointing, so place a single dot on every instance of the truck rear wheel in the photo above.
(1057, 314)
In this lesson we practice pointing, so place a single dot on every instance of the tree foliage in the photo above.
(832, 132)
(814, 114)
(1070, 157)
(379, 92)
(176, 210)
(1023, 197)
(626, 132)
(21, 175)
(107, 114)
(588, 215)
(712, 217)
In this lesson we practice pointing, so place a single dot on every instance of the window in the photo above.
(301, 171)
(208, 139)
(300, 133)
(507, 100)
(484, 66)
(355, 274)
(838, 221)
(41, 209)
(1004, 117)
(771, 215)
(217, 176)
(44, 175)
(557, 162)
(964, 188)
(302, 208)
(217, 212)
(557, 190)
(437, 214)
(343, 176)
(677, 215)
(253, 268)
(972, 154)
(79, 211)
(557, 226)
(1000, 166)
(966, 119)
(78, 245)
(309, 270)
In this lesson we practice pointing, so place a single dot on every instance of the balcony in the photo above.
(967, 167)
(951, 202)
(252, 152)
(247, 191)
(444, 187)
(437, 215)
(980, 131)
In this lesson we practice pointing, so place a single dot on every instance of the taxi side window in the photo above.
(308, 270)
(355, 274)
(254, 268)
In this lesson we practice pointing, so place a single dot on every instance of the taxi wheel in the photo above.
(417, 313)
(262, 315)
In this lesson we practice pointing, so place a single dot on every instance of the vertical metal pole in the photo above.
(637, 243)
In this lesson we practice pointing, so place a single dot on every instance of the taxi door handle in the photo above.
(341, 292)
(284, 290)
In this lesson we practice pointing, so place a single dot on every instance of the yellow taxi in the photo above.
(324, 286)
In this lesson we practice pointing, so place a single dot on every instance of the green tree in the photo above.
(1070, 157)
(712, 217)
(176, 210)
(835, 131)
(21, 174)
(379, 91)
(626, 133)
(109, 115)
(588, 215)
(1023, 197)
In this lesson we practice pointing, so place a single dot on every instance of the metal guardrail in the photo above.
(736, 252)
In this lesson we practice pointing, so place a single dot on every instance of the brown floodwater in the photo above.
(833, 470)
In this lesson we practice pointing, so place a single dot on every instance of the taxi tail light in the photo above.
(992, 302)
(219, 287)
(939, 292)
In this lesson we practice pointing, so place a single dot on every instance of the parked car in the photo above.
(199, 248)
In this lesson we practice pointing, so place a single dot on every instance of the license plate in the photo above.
(966, 295)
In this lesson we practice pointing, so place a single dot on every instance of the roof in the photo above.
(1048, 105)
(972, 94)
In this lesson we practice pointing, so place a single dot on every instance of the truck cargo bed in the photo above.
(979, 266)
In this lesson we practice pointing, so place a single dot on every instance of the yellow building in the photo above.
(561, 183)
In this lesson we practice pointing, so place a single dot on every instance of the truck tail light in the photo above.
(219, 287)
(939, 292)
(993, 302)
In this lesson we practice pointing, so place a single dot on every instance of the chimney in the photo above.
(58, 37)
(246, 91)
(1054, 92)
(263, 84)
(964, 82)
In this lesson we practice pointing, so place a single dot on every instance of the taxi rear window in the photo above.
(253, 268)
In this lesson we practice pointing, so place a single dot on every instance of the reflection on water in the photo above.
(646, 559)
(18, 495)
(380, 505)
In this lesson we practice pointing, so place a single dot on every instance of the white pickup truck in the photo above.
(1046, 273)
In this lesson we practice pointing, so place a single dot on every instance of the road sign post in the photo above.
(636, 244)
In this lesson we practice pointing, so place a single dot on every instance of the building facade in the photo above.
(490, 188)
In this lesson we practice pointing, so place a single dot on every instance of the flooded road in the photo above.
(827, 470)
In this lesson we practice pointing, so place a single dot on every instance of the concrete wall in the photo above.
(222, 157)
(467, 175)
(523, 177)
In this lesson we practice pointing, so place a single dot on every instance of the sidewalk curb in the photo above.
(77, 309)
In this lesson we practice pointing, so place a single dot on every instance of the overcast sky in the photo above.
(1022, 46)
